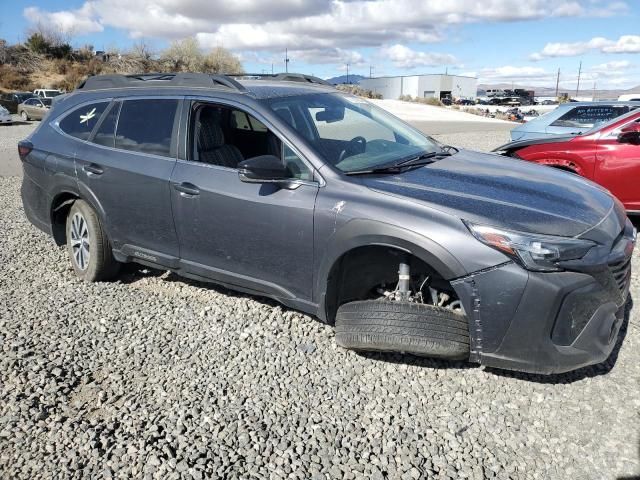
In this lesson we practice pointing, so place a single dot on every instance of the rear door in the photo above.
(125, 168)
(618, 168)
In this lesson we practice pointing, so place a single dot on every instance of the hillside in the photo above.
(353, 79)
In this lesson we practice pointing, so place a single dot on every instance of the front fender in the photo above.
(360, 233)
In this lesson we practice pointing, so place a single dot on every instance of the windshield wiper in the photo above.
(423, 159)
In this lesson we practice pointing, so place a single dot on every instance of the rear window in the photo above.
(590, 116)
(147, 126)
(81, 121)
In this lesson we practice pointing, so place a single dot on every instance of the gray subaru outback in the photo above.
(282, 186)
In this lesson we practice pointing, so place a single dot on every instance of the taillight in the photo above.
(24, 149)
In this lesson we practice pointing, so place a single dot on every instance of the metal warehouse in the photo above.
(436, 86)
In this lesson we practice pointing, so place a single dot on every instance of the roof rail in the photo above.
(99, 82)
(284, 77)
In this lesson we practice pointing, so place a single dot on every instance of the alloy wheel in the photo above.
(80, 241)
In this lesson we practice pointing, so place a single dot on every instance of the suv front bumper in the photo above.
(545, 322)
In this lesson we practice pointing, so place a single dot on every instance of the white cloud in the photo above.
(625, 44)
(305, 23)
(404, 57)
(71, 22)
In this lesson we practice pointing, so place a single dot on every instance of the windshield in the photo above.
(351, 133)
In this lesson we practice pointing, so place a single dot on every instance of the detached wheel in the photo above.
(403, 327)
(88, 246)
(24, 116)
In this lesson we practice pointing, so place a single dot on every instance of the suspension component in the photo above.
(404, 281)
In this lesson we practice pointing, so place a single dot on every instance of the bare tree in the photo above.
(221, 60)
(183, 56)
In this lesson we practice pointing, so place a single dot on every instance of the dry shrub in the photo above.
(359, 91)
(12, 79)
(429, 101)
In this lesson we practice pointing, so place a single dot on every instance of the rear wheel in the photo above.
(88, 246)
(420, 329)
(24, 116)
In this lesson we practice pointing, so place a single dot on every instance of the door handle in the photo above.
(93, 169)
(187, 188)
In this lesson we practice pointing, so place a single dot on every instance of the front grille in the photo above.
(621, 272)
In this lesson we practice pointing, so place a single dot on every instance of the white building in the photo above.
(436, 85)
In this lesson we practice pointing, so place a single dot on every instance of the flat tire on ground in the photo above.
(420, 329)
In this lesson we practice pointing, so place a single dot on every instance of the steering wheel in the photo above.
(356, 145)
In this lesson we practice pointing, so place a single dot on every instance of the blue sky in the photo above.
(499, 41)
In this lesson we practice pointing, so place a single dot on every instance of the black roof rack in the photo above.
(283, 77)
(99, 82)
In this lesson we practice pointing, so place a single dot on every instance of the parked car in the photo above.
(629, 97)
(608, 155)
(5, 116)
(34, 108)
(571, 119)
(11, 100)
(47, 93)
(330, 205)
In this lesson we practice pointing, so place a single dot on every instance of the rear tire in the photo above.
(88, 246)
(24, 116)
(420, 329)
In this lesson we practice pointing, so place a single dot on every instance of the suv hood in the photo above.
(503, 192)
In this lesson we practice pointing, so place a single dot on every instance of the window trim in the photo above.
(232, 104)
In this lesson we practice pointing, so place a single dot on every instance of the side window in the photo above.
(223, 136)
(105, 135)
(243, 121)
(147, 126)
(296, 167)
(81, 121)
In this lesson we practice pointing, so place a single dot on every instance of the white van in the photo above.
(47, 92)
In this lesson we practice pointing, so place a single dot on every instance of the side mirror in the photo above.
(263, 169)
(630, 134)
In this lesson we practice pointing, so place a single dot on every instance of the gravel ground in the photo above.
(154, 376)
(10, 135)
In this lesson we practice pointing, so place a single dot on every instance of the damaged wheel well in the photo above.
(359, 273)
(59, 211)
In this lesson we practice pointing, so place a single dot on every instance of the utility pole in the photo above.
(370, 71)
(286, 60)
(272, 69)
(594, 92)
(347, 73)
(579, 73)
(557, 83)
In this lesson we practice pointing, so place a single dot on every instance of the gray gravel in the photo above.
(10, 135)
(154, 376)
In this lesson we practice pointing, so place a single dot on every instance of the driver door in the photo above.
(255, 236)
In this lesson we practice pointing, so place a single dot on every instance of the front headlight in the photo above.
(539, 253)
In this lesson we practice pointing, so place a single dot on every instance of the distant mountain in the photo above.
(551, 91)
(354, 79)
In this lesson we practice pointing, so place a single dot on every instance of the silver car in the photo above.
(571, 118)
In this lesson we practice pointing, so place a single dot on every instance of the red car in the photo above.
(608, 155)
